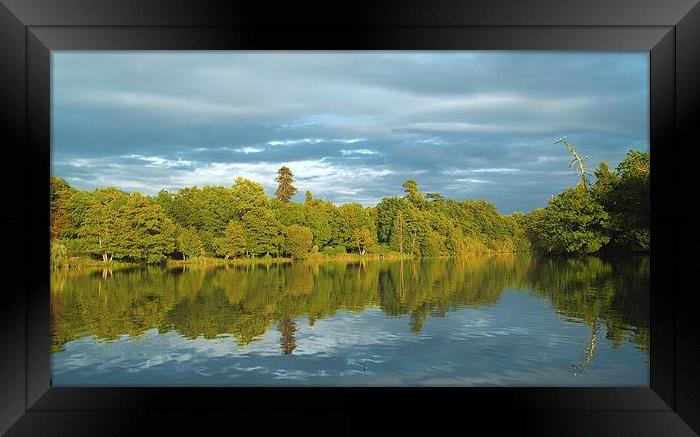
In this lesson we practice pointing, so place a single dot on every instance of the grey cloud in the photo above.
(354, 124)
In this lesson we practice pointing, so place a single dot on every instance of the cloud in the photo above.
(458, 171)
(352, 140)
(546, 159)
(248, 150)
(462, 127)
(159, 161)
(473, 180)
(158, 102)
(358, 152)
(79, 162)
(294, 142)
(495, 170)
(354, 125)
(322, 177)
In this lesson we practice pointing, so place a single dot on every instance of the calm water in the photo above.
(482, 320)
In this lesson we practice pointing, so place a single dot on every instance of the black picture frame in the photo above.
(29, 30)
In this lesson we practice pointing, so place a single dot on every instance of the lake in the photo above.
(508, 320)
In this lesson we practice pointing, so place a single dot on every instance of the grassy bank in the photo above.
(78, 262)
(316, 257)
(357, 257)
(211, 261)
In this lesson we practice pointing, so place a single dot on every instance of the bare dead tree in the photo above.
(589, 352)
(577, 161)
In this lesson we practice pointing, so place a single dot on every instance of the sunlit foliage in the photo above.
(285, 189)
(609, 215)
(297, 241)
(572, 223)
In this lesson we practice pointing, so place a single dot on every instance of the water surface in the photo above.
(474, 321)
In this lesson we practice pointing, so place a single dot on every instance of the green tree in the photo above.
(184, 207)
(145, 232)
(298, 241)
(433, 243)
(320, 219)
(117, 225)
(572, 223)
(103, 223)
(285, 189)
(606, 182)
(387, 209)
(208, 210)
(60, 193)
(232, 243)
(413, 194)
(454, 241)
(289, 213)
(263, 233)
(165, 199)
(189, 243)
(398, 232)
(364, 239)
(624, 194)
(350, 218)
(75, 207)
(247, 195)
(217, 211)
(416, 230)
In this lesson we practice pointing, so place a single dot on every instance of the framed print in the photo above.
(286, 214)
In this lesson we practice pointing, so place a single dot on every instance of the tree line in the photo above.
(241, 221)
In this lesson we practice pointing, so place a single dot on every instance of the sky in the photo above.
(352, 126)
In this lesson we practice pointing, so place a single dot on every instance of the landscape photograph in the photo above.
(357, 218)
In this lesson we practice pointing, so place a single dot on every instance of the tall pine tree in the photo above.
(285, 189)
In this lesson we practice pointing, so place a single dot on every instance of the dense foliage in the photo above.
(624, 194)
(242, 220)
(572, 223)
(611, 214)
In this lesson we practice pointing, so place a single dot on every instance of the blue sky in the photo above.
(352, 126)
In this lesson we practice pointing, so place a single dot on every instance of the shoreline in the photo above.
(80, 262)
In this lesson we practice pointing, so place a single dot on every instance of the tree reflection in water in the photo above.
(287, 329)
(245, 301)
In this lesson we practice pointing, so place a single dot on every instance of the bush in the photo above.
(334, 250)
